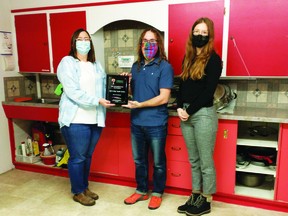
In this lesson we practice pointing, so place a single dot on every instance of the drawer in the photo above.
(176, 148)
(174, 126)
(179, 174)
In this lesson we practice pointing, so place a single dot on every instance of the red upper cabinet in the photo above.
(62, 27)
(181, 19)
(32, 35)
(260, 31)
(32, 43)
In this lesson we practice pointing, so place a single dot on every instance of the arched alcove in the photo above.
(118, 38)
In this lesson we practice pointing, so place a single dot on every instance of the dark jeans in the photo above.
(143, 139)
(81, 140)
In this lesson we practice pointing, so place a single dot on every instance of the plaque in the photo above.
(117, 89)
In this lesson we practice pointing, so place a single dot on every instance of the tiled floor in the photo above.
(32, 194)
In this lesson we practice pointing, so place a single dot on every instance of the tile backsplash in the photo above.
(15, 87)
(263, 93)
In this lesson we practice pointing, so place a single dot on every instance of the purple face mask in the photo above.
(150, 50)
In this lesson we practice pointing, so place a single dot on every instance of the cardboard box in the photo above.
(28, 159)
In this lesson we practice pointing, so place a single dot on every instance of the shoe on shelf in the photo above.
(91, 194)
(183, 208)
(84, 200)
(201, 206)
(135, 198)
(155, 202)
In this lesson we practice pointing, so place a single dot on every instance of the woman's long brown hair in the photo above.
(193, 64)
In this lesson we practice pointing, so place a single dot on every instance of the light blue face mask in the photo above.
(83, 47)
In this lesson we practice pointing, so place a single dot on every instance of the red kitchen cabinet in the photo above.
(105, 156)
(181, 19)
(126, 162)
(113, 153)
(225, 156)
(259, 31)
(178, 166)
(282, 165)
(32, 43)
(62, 27)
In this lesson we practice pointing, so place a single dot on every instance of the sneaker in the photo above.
(91, 194)
(201, 206)
(155, 202)
(189, 202)
(135, 198)
(84, 200)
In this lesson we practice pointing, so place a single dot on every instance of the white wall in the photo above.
(5, 153)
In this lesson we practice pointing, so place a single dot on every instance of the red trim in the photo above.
(117, 180)
(79, 5)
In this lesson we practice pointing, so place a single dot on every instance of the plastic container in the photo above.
(48, 160)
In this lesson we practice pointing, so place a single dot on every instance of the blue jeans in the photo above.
(143, 139)
(199, 132)
(81, 140)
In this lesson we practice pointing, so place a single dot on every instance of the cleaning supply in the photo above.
(59, 90)
(64, 160)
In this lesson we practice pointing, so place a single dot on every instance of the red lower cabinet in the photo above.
(105, 157)
(225, 156)
(126, 162)
(282, 167)
(179, 174)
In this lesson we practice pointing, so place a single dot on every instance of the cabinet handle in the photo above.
(171, 40)
(176, 148)
(176, 174)
(225, 134)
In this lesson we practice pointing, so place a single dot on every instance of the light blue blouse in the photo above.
(68, 73)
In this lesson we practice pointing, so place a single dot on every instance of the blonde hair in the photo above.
(193, 64)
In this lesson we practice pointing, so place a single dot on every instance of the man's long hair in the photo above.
(160, 53)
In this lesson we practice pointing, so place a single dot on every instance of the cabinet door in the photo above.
(260, 33)
(225, 156)
(126, 162)
(181, 19)
(32, 43)
(282, 165)
(62, 27)
(105, 157)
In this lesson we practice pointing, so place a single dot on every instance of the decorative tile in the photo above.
(48, 85)
(13, 88)
(20, 86)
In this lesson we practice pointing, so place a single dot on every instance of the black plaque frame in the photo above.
(117, 87)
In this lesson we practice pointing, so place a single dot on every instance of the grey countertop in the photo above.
(238, 113)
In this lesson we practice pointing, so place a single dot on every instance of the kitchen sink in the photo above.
(44, 101)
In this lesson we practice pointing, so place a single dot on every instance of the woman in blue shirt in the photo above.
(82, 111)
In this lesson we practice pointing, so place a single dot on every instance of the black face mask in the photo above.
(199, 40)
